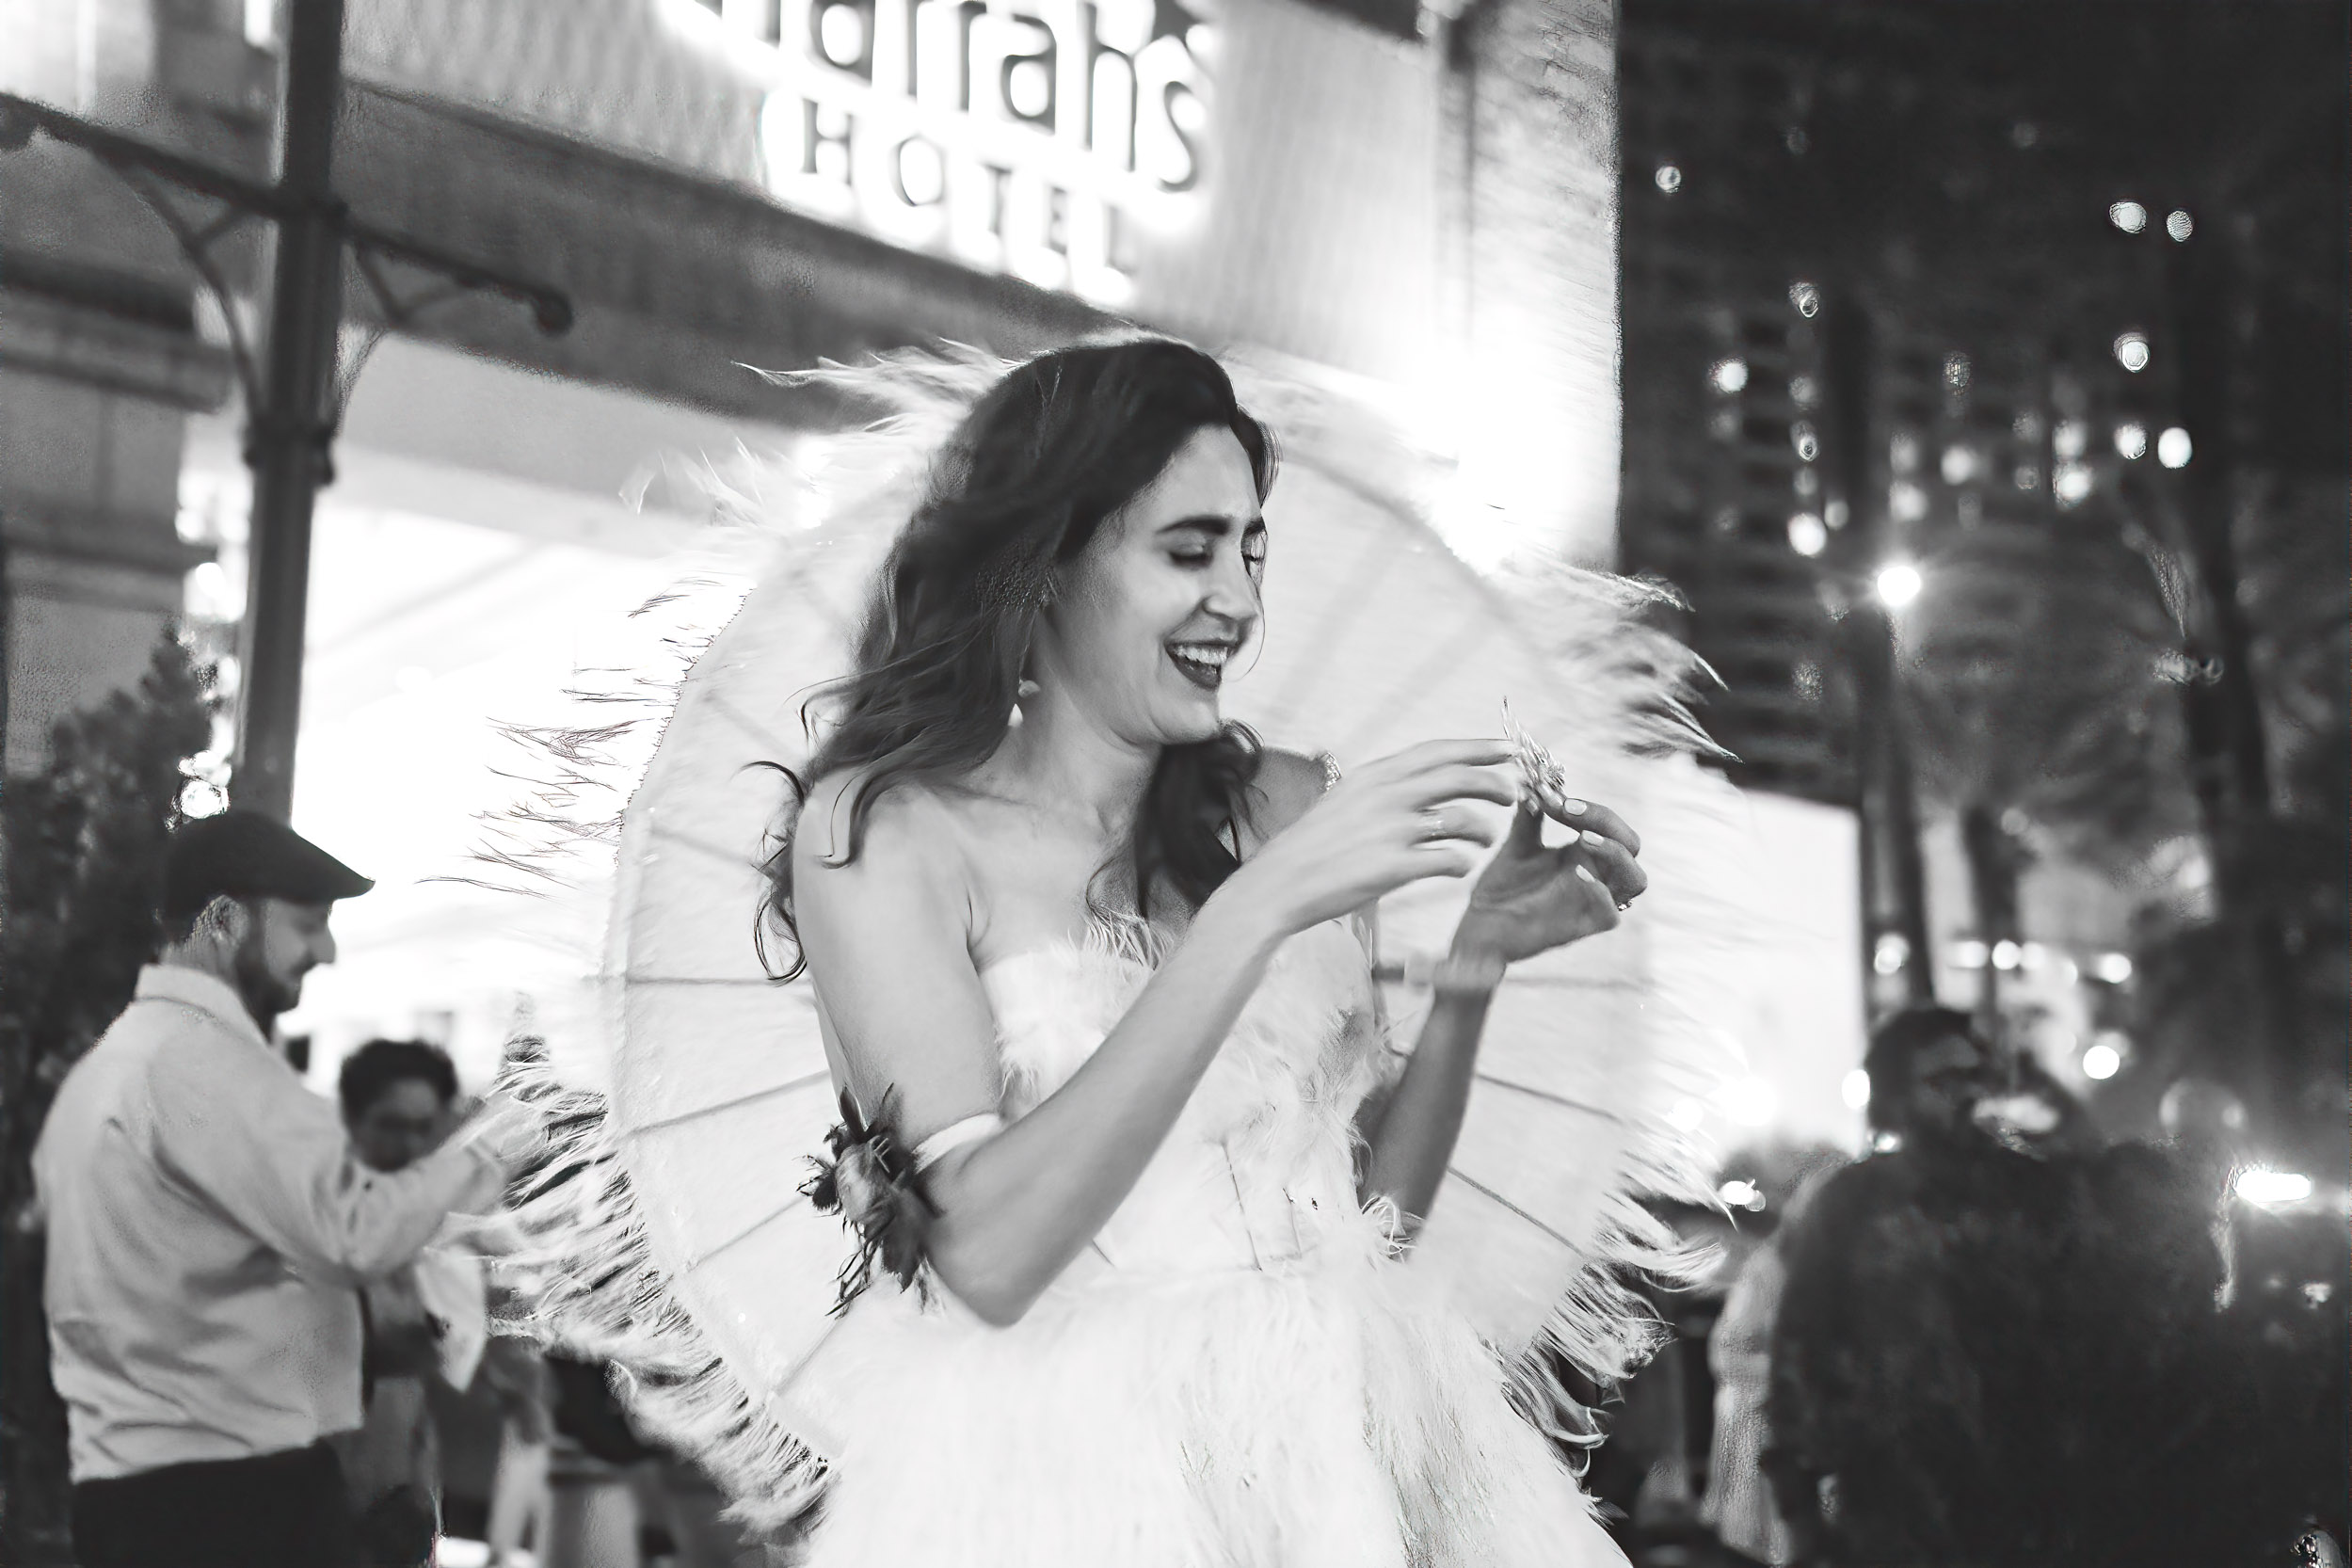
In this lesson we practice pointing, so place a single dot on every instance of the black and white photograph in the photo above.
(1176, 783)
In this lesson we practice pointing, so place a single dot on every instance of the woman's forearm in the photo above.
(1417, 1127)
(1414, 1138)
(1015, 1209)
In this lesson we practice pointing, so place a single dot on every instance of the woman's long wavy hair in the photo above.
(1057, 445)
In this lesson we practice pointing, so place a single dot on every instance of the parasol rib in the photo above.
(763, 981)
(753, 1099)
(744, 1235)
(1530, 1089)
(1478, 1186)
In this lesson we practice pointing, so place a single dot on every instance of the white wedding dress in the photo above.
(1240, 1373)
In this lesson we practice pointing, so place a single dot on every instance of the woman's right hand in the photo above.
(1387, 823)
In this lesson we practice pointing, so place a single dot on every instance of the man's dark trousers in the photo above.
(278, 1510)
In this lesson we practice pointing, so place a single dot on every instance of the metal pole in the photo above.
(287, 436)
(1894, 872)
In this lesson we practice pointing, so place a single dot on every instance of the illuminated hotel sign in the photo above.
(1031, 137)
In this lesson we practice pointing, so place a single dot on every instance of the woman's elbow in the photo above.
(996, 1296)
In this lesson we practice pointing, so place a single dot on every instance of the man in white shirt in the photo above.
(208, 1227)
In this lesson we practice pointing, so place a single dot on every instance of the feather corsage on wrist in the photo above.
(873, 1183)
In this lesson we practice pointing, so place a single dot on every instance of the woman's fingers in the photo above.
(1591, 816)
(1614, 864)
(1436, 825)
(1429, 755)
(1462, 781)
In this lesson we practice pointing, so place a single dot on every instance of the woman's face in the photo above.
(1147, 618)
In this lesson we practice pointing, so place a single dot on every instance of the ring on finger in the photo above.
(1434, 825)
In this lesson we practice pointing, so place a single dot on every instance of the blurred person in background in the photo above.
(1993, 1353)
(424, 1320)
(209, 1228)
(1765, 1190)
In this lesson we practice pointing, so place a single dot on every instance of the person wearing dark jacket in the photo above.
(1989, 1354)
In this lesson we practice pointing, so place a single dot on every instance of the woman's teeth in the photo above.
(1202, 663)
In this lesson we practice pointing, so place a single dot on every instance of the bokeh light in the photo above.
(1959, 464)
(1668, 178)
(2102, 1061)
(1807, 534)
(1728, 376)
(1898, 584)
(2071, 484)
(2131, 352)
(2131, 442)
(2180, 225)
(2173, 448)
(1805, 297)
(1855, 1090)
(2130, 217)
(2258, 1184)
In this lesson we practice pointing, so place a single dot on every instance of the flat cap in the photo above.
(246, 855)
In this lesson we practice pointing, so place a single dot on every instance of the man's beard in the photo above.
(266, 995)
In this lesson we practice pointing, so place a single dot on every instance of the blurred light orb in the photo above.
(2071, 484)
(2259, 1185)
(1906, 500)
(1854, 1089)
(2007, 954)
(2102, 1061)
(1956, 372)
(2174, 448)
(1802, 436)
(2130, 217)
(1808, 534)
(2026, 426)
(2112, 967)
(1668, 178)
(1835, 514)
(1741, 1194)
(2024, 135)
(1807, 483)
(2131, 352)
(1806, 299)
(2131, 442)
(2069, 438)
(1969, 954)
(1892, 951)
(842, 35)
(2180, 226)
(2199, 1109)
(2027, 478)
(1959, 464)
(1728, 376)
(1898, 584)
(1804, 392)
(1902, 452)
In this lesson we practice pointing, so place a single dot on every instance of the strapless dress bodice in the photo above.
(1259, 1168)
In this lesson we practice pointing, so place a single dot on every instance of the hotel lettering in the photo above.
(1039, 137)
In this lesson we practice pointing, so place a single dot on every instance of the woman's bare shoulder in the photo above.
(1287, 784)
(907, 828)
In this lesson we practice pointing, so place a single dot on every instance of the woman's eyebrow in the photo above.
(1213, 524)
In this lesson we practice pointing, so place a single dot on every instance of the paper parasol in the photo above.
(1376, 636)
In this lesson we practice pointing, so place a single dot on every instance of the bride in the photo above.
(1132, 1160)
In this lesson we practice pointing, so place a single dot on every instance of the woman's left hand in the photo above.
(1531, 899)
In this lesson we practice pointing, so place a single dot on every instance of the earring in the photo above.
(1027, 688)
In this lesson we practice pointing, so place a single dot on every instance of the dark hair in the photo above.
(1057, 445)
(376, 1066)
(1894, 1049)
